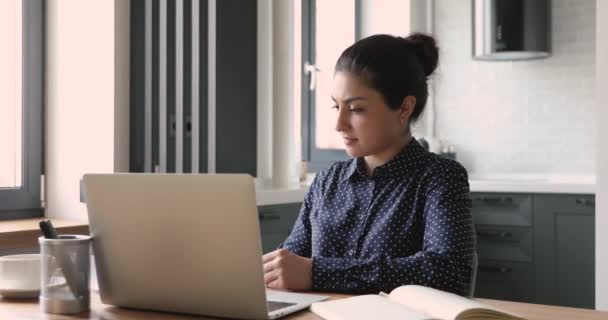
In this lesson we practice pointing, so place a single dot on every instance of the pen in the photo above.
(48, 230)
(64, 261)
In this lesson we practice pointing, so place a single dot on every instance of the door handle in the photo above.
(312, 70)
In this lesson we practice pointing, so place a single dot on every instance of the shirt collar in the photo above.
(357, 165)
(403, 160)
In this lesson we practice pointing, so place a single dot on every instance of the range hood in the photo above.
(511, 29)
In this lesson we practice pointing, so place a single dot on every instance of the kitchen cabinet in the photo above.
(565, 240)
(276, 222)
(504, 227)
(536, 248)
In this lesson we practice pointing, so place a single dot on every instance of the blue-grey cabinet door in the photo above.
(276, 222)
(503, 209)
(565, 249)
(505, 280)
(504, 227)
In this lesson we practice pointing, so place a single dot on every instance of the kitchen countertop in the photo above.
(269, 196)
(560, 184)
(511, 183)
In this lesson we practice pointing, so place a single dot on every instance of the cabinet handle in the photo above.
(499, 269)
(496, 200)
(584, 202)
(269, 216)
(495, 234)
(491, 200)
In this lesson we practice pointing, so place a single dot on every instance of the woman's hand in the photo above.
(285, 270)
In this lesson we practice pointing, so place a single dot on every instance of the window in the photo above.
(328, 27)
(21, 98)
(10, 94)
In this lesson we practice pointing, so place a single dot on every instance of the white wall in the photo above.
(601, 197)
(385, 16)
(519, 117)
(87, 97)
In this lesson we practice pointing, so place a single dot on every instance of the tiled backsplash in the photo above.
(519, 117)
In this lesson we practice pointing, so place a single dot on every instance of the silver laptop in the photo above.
(187, 243)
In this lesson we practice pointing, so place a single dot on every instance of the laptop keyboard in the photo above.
(276, 305)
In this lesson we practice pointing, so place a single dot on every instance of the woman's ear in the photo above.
(407, 108)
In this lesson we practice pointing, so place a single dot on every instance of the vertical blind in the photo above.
(169, 86)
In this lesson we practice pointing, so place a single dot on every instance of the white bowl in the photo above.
(20, 276)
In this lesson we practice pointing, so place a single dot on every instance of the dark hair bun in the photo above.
(426, 50)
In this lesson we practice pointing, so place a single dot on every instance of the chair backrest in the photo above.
(473, 275)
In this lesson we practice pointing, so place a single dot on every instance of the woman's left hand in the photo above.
(285, 270)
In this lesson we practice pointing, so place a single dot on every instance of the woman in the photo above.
(394, 214)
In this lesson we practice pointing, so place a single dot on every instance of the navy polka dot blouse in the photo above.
(408, 223)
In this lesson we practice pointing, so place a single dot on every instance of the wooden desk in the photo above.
(29, 309)
(24, 233)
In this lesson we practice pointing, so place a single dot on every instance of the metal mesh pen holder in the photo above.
(65, 274)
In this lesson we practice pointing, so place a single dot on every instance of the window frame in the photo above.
(317, 158)
(25, 202)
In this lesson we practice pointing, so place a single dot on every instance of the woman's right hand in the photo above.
(287, 271)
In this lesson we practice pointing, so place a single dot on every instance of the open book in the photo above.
(409, 302)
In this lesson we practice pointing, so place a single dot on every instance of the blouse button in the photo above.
(351, 252)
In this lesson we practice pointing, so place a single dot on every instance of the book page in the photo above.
(364, 308)
(437, 303)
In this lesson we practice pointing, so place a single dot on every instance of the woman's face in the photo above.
(367, 125)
